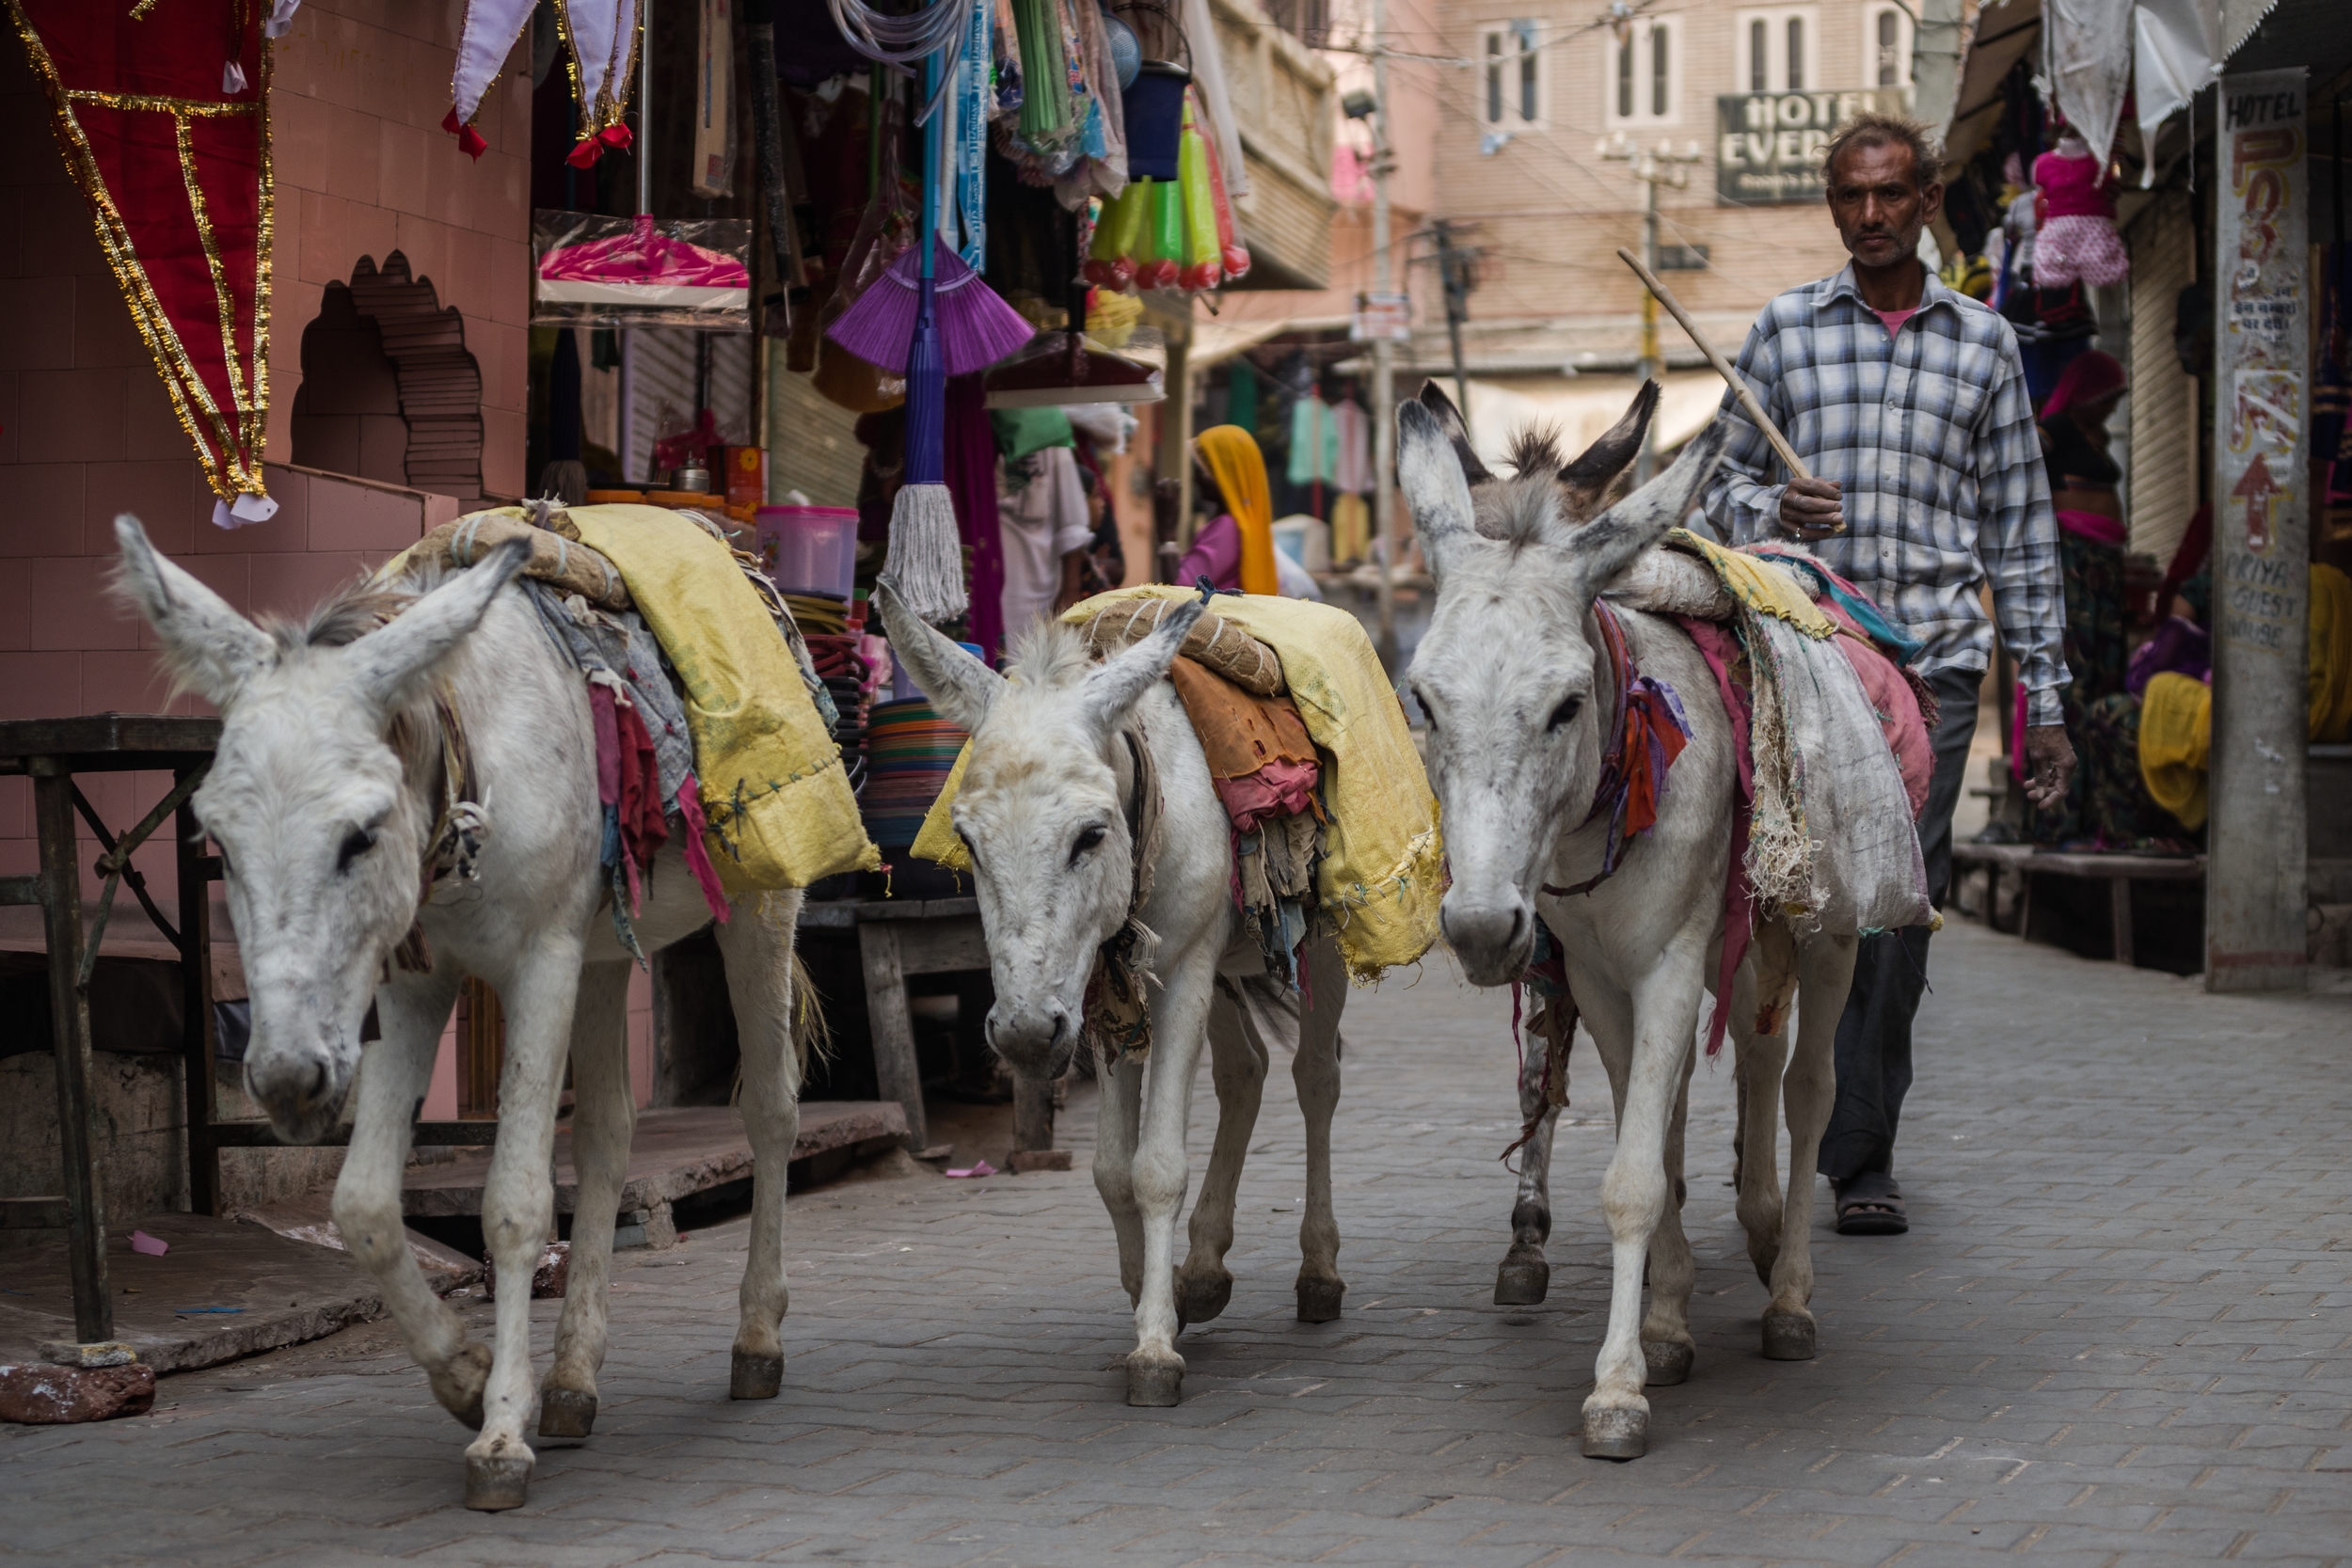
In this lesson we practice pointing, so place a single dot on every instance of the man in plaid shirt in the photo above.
(1908, 402)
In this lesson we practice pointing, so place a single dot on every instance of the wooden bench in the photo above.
(2119, 871)
(899, 938)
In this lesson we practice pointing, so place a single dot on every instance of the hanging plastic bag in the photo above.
(589, 270)
(1204, 261)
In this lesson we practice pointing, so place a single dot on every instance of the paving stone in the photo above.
(2114, 1335)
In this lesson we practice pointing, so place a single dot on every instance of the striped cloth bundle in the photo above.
(909, 751)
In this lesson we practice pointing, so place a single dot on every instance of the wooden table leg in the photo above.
(2119, 903)
(1032, 1114)
(895, 1068)
(68, 1014)
(195, 1001)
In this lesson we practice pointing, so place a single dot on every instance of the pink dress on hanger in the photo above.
(2076, 239)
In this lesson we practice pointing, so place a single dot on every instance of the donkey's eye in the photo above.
(358, 843)
(1565, 713)
(1087, 840)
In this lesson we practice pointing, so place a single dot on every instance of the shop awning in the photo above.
(1581, 408)
(1216, 340)
(2005, 33)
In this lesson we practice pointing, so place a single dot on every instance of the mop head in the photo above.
(926, 561)
(566, 479)
(976, 327)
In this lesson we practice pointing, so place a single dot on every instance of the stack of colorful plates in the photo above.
(909, 751)
(817, 615)
(849, 680)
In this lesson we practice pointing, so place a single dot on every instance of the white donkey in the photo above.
(1516, 685)
(324, 798)
(1048, 808)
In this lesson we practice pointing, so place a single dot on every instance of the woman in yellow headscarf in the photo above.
(1236, 549)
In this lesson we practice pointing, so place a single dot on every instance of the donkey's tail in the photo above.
(812, 1036)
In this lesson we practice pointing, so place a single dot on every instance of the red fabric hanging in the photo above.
(176, 173)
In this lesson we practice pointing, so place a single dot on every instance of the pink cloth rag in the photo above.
(1277, 789)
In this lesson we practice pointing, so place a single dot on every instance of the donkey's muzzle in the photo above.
(1035, 1039)
(303, 1095)
(1493, 939)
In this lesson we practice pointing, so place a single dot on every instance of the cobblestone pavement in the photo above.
(2115, 1334)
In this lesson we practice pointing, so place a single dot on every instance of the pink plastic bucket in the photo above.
(808, 550)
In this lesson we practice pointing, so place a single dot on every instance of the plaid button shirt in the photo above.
(1930, 435)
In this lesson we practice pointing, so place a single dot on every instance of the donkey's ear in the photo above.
(1115, 688)
(1431, 476)
(387, 665)
(1449, 422)
(210, 648)
(1589, 477)
(1608, 544)
(958, 686)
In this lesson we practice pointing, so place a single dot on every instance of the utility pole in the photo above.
(1383, 351)
(1653, 167)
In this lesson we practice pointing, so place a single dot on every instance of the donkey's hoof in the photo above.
(459, 1386)
(494, 1485)
(1154, 1385)
(566, 1412)
(1319, 1300)
(1202, 1297)
(1789, 1337)
(754, 1377)
(1668, 1361)
(1612, 1434)
(1522, 1282)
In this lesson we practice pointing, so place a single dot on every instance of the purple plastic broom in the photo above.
(976, 327)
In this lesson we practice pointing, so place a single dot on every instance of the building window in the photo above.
(1778, 50)
(1644, 83)
(1887, 46)
(1514, 74)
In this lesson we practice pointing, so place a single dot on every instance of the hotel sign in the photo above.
(1768, 145)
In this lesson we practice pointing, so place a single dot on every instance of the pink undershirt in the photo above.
(1895, 319)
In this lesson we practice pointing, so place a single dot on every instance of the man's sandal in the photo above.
(1869, 1204)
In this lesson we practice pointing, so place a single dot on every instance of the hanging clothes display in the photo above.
(1314, 442)
(1351, 470)
(1240, 396)
(174, 161)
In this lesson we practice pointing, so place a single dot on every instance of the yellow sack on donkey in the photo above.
(1383, 872)
(773, 788)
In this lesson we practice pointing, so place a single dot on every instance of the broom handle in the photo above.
(930, 170)
(1722, 367)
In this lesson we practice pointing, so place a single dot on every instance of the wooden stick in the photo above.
(1722, 367)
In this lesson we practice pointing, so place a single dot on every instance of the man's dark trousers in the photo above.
(1890, 970)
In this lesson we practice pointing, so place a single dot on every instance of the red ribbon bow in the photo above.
(469, 140)
(592, 148)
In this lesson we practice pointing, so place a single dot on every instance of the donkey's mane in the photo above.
(1048, 654)
(1535, 450)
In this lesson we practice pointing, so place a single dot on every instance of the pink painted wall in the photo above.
(86, 431)
(362, 169)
